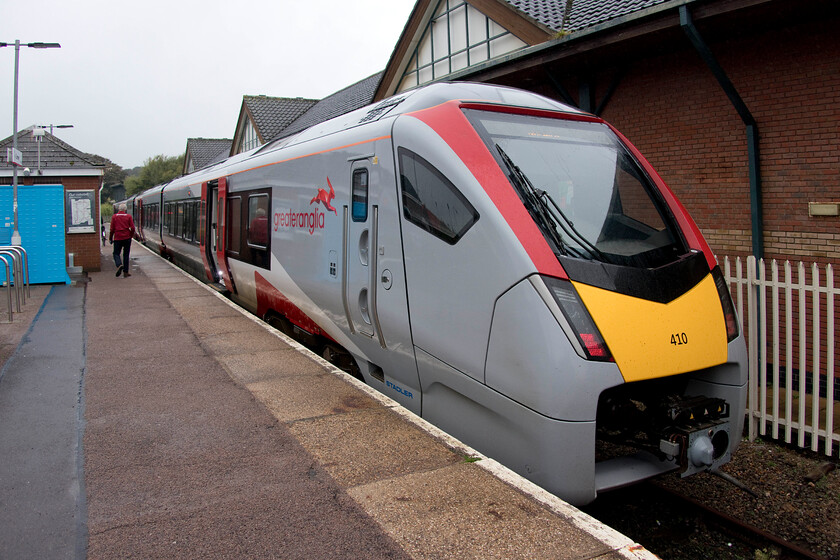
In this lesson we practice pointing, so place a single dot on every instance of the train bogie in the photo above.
(505, 266)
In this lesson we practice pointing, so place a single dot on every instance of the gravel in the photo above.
(798, 501)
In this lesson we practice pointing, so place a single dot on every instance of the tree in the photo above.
(156, 170)
(114, 174)
(106, 210)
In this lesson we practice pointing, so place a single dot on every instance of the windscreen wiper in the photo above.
(535, 205)
(572, 232)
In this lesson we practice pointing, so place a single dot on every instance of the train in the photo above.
(507, 267)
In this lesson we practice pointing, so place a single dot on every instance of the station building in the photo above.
(58, 193)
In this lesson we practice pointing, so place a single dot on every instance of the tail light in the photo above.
(577, 323)
(729, 316)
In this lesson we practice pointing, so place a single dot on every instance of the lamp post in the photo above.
(15, 152)
(51, 126)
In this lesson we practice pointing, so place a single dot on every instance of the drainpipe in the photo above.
(752, 128)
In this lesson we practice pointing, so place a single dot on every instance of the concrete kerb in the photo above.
(618, 543)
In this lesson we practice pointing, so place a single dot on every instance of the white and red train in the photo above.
(507, 267)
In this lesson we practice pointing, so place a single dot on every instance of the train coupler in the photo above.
(699, 437)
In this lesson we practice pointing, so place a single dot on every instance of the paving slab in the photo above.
(309, 396)
(262, 366)
(432, 516)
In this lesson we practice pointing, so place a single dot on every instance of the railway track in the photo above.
(676, 527)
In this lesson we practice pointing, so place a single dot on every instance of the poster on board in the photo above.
(79, 211)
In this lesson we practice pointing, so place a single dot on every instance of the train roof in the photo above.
(407, 102)
(423, 98)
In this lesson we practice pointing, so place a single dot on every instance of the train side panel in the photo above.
(179, 226)
(452, 283)
(149, 226)
(336, 260)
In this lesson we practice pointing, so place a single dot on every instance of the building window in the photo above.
(457, 37)
(250, 140)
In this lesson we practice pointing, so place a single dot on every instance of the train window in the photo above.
(179, 219)
(234, 224)
(167, 217)
(585, 190)
(360, 195)
(431, 201)
(258, 221)
(188, 221)
(201, 222)
(194, 223)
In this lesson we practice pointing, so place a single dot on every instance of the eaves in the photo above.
(662, 17)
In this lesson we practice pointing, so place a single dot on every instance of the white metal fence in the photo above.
(789, 317)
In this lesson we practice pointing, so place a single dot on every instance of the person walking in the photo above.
(121, 233)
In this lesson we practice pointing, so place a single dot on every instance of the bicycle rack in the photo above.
(16, 261)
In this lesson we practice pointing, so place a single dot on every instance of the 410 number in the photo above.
(678, 339)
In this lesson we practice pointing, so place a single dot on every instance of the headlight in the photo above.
(729, 315)
(563, 301)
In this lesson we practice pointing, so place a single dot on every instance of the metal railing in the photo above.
(16, 262)
(790, 317)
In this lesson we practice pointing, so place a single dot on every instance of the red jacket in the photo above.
(122, 226)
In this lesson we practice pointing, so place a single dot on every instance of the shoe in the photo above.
(126, 274)
(119, 270)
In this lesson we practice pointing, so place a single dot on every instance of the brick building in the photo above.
(736, 103)
(50, 161)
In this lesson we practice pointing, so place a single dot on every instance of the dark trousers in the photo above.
(122, 246)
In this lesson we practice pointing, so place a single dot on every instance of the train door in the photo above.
(208, 219)
(138, 222)
(374, 292)
(222, 225)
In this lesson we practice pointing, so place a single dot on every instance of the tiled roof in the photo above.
(586, 13)
(270, 115)
(54, 153)
(348, 99)
(583, 13)
(204, 151)
(547, 12)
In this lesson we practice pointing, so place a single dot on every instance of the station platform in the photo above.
(149, 417)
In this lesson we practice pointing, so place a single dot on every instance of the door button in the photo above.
(386, 279)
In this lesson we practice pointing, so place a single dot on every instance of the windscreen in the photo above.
(583, 188)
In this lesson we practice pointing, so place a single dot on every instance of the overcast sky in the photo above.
(136, 79)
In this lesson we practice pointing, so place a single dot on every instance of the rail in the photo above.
(789, 320)
(16, 262)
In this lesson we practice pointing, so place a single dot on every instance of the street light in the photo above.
(51, 126)
(16, 155)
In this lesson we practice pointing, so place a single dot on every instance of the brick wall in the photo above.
(84, 246)
(671, 107)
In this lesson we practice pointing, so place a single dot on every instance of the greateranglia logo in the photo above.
(325, 198)
(286, 218)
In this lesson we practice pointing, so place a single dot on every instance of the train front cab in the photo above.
(616, 319)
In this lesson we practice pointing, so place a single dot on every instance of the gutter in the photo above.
(705, 53)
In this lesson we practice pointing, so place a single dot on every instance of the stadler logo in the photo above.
(285, 218)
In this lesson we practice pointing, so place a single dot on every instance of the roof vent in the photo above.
(381, 109)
